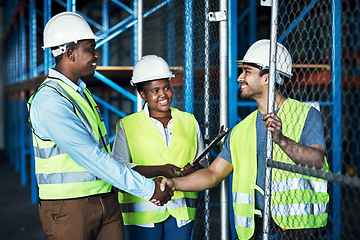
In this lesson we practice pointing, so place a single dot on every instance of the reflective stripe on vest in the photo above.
(55, 150)
(298, 183)
(140, 131)
(65, 177)
(298, 209)
(244, 222)
(310, 213)
(58, 176)
(243, 198)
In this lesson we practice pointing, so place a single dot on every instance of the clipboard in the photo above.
(222, 133)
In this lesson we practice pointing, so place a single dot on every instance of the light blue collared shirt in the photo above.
(53, 118)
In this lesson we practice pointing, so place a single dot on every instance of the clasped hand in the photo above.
(161, 197)
(164, 193)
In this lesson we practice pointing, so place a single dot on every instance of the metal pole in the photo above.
(206, 111)
(47, 53)
(253, 20)
(17, 52)
(189, 61)
(224, 116)
(71, 5)
(22, 43)
(139, 44)
(271, 100)
(171, 33)
(233, 89)
(34, 186)
(22, 140)
(105, 27)
(233, 69)
(32, 39)
(336, 117)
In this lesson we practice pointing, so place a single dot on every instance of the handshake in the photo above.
(164, 188)
(162, 193)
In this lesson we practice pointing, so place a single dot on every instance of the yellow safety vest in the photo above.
(147, 147)
(58, 176)
(297, 201)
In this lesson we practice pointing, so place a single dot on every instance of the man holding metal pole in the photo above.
(297, 201)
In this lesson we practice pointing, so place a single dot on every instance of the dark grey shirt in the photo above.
(313, 133)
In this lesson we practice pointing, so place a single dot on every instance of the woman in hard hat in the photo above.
(158, 141)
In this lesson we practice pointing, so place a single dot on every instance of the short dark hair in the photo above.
(266, 71)
(71, 45)
(140, 86)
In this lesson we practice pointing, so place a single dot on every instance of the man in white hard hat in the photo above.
(75, 173)
(297, 201)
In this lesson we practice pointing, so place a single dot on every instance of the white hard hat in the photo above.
(65, 28)
(259, 52)
(150, 67)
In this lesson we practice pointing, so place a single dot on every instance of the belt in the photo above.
(100, 195)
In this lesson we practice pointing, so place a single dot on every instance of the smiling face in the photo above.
(252, 84)
(85, 58)
(158, 94)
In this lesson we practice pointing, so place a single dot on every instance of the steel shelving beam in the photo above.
(336, 120)
(32, 39)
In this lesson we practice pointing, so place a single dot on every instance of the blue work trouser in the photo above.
(166, 230)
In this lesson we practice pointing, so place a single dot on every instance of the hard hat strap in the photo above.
(60, 50)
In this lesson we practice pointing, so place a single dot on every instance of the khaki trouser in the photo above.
(94, 217)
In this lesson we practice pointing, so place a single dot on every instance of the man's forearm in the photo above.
(197, 181)
(303, 155)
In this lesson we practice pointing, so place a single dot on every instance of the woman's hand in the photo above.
(170, 171)
(190, 168)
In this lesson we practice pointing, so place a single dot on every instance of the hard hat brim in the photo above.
(242, 62)
(54, 45)
(133, 83)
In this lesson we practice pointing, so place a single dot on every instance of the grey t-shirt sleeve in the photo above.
(225, 152)
(313, 131)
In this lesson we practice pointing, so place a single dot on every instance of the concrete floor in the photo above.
(19, 218)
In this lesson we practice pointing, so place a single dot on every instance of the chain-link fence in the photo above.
(322, 37)
(181, 34)
(323, 40)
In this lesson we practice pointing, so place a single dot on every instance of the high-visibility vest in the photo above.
(58, 176)
(147, 147)
(297, 201)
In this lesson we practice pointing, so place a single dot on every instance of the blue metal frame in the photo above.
(105, 27)
(337, 132)
(171, 34)
(336, 85)
(32, 39)
(15, 70)
(188, 58)
(235, 20)
(233, 90)
(47, 53)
